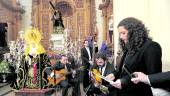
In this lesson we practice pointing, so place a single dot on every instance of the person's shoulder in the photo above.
(110, 65)
(94, 66)
(154, 44)
(82, 48)
(150, 43)
(69, 65)
(151, 46)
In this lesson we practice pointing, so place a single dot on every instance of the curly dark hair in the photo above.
(100, 55)
(137, 34)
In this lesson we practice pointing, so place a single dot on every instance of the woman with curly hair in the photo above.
(140, 53)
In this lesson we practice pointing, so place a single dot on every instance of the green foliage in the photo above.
(4, 67)
(58, 30)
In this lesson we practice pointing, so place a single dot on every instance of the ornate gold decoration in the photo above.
(105, 4)
(33, 37)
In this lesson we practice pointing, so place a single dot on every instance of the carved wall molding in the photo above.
(36, 2)
(92, 17)
(104, 5)
(79, 3)
(12, 16)
(65, 8)
(107, 11)
(75, 14)
(15, 8)
(69, 2)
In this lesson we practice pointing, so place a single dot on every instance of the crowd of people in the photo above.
(140, 67)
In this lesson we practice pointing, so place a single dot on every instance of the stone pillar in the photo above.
(26, 17)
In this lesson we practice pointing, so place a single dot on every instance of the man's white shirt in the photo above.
(88, 51)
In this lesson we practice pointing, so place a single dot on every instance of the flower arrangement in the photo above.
(54, 56)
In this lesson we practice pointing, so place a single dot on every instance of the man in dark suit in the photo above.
(158, 80)
(3, 30)
(86, 57)
(105, 69)
(67, 82)
(3, 43)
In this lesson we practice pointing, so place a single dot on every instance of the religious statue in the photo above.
(57, 20)
(33, 61)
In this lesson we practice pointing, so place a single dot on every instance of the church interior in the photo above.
(35, 33)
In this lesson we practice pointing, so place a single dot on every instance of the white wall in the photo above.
(160, 27)
(154, 13)
(26, 17)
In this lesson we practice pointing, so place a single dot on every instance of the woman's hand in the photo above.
(110, 77)
(140, 77)
(117, 84)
